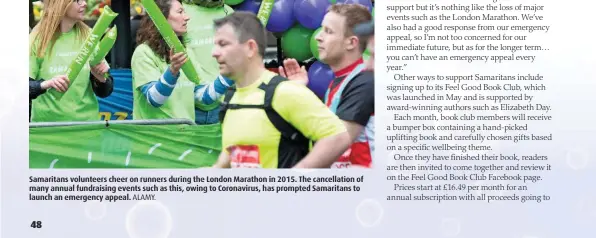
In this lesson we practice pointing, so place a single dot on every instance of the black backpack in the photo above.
(293, 145)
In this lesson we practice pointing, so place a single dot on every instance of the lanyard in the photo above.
(336, 97)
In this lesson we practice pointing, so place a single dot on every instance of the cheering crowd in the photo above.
(268, 120)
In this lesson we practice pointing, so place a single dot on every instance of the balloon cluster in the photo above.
(298, 22)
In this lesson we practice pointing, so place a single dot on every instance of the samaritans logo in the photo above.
(58, 69)
(66, 54)
(61, 69)
(202, 41)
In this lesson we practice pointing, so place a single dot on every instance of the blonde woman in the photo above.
(55, 42)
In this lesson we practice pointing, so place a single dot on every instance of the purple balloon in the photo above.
(367, 3)
(249, 6)
(310, 13)
(320, 76)
(282, 16)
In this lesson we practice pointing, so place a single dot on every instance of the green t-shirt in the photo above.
(199, 39)
(147, 67)
(79, 103)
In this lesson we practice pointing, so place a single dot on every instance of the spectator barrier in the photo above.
(123, 144)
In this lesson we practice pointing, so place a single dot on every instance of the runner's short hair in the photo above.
(355, 14)
(247, 26)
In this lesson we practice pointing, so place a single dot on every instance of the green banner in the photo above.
(124, 146)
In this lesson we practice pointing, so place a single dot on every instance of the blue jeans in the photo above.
(206, 117)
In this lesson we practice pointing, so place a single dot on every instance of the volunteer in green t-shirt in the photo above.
(199, 43)
(161, 90)
(54, 43)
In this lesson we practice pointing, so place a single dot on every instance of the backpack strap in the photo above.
(224, 106)
(287, 130)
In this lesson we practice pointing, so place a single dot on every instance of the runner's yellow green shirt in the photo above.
(251, 128)
(79, 103)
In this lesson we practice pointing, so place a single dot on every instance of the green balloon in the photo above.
(170, 37)
(104, 47)
(314, 45)
(103, 23)
(295, 43)
(373, 12)
(233, 2)
(100, 27)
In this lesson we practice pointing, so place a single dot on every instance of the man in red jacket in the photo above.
(351, 94)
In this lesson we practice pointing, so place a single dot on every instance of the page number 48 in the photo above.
(36, 224)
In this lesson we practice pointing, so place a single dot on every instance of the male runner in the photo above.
(267, 121)
(351, 94)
